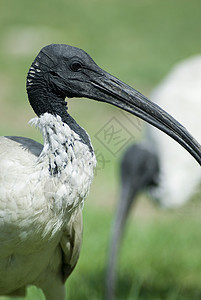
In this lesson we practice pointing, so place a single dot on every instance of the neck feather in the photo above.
(62, 145)
(69, 163)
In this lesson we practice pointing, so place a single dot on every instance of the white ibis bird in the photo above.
(156, 164)
(42, 188)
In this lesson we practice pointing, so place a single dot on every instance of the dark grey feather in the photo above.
(28, 144)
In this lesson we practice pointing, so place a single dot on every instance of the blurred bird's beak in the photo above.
(107, 88)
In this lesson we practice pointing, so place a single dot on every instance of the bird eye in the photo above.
(75, 66)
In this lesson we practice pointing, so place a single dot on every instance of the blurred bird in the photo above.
(43, 187)
(139, 170)
(180, 94)
(157, 164)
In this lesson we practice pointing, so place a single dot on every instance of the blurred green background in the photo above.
(137, 41)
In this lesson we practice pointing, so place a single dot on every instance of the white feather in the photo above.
(35, 205)
(180, 95)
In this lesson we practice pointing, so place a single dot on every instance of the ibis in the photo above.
(43, 187)
(156, 164)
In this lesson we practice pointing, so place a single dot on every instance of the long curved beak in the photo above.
(107, 88)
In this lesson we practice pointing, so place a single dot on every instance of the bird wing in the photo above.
(27, 144)
(70, 244)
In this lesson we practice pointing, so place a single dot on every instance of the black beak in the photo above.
(107, 88)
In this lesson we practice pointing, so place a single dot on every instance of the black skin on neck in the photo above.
(44, 98)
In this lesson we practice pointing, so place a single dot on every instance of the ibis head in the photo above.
(61, 71)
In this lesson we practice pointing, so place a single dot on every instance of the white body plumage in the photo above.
(40, 197)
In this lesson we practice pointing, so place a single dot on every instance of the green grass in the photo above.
(160, 257)
(139, 42)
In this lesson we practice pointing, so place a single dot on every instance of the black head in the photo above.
(61, 71)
